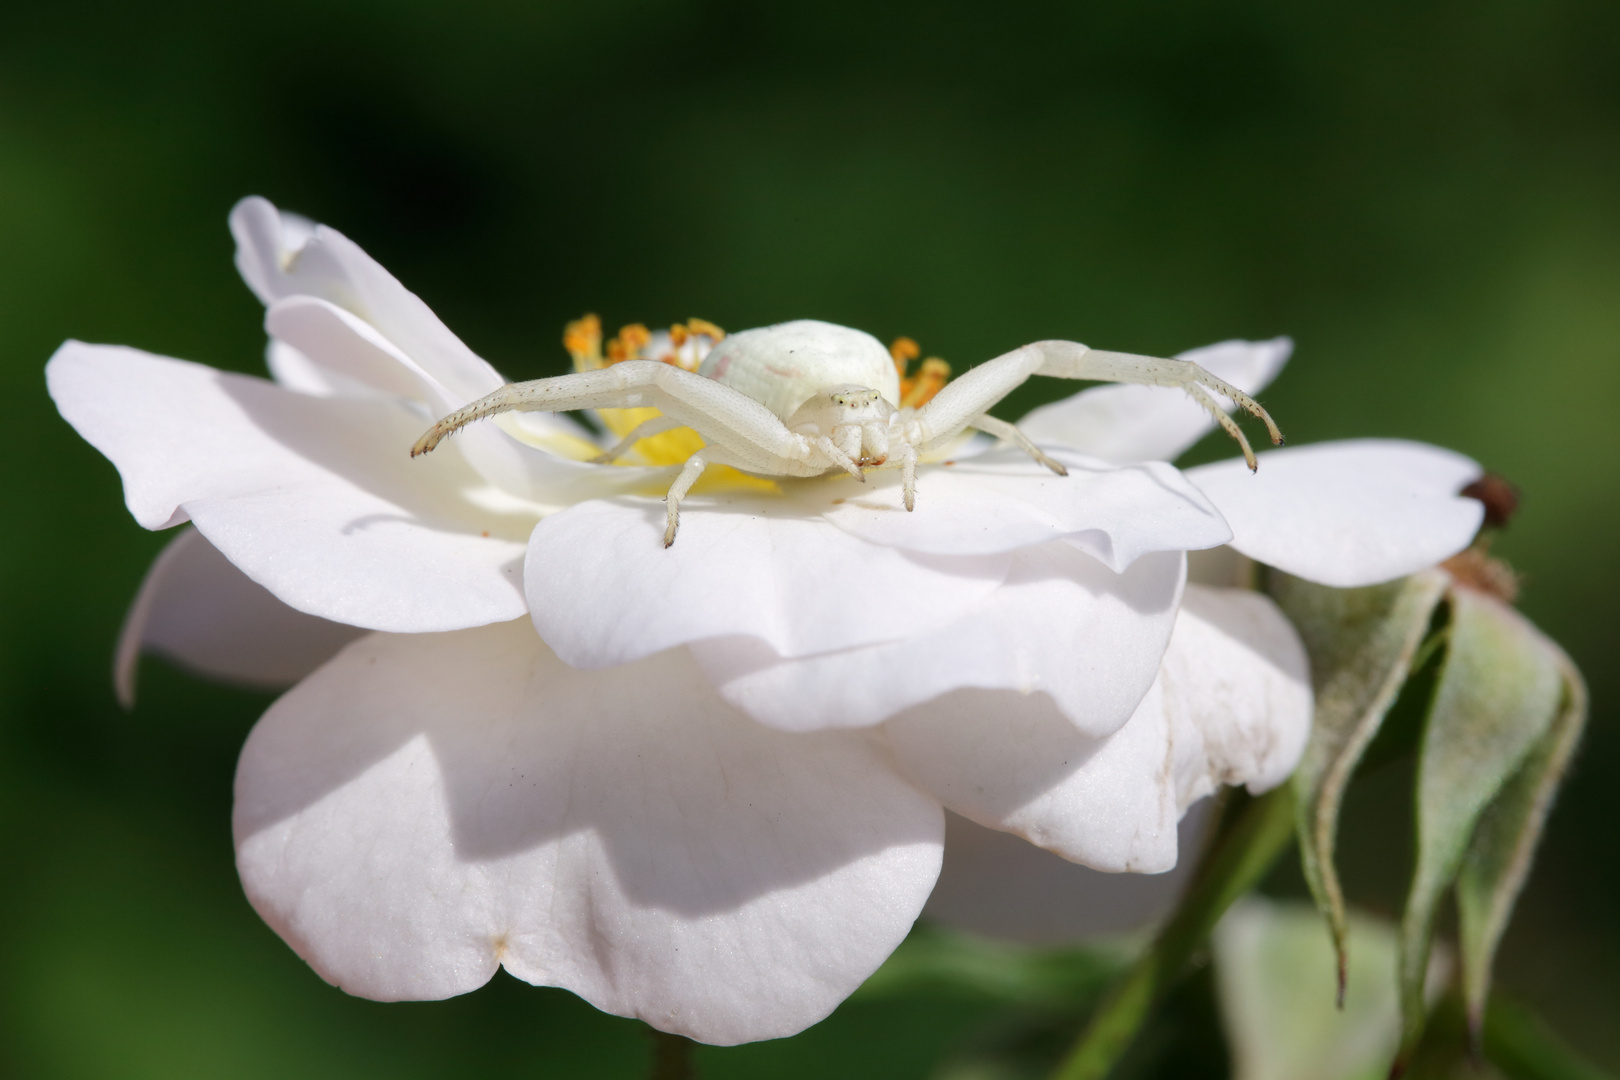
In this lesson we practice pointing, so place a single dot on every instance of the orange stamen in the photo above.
(930, 380)
(583, 340)
(628, 345)
(904, 350)
(706, 328)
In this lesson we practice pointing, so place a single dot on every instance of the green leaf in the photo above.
(1498, 861)
(1271, 962)
(1361, 644)
(1498, 694)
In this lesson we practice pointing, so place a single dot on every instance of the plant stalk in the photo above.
(1249, 842)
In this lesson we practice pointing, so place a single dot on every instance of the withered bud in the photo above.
(1500, 497)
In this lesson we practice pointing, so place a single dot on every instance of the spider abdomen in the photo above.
(783, 366)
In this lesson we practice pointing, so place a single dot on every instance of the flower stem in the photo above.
(672, 1056)
(1250, 840)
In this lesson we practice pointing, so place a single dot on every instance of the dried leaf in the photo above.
(1498, 694)
(1498, 861)
(1361, 644)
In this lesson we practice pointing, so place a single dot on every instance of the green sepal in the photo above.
(1498, 693)
(1498, 860)
(1361, 644)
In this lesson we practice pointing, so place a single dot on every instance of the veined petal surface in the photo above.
(1347, 514)
(314, 498)
(206, 615)
(427, 807)
(1061, 624)
(1154, 423)
(1237, 692)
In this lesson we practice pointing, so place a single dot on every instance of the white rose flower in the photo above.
(703, 785)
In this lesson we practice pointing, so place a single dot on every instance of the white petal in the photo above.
(279, 259)
(1014, 763)
(292, 369)
(1237, 691)
(426, 807)
(1062, 624)
(1349, 513)
(339, 346)
(1153, 423)
(314, 498)
(200, 611)
(351, 348)
(348, 316)
(998, 885)
(1002, 500)
(1231, 705)
(604, 590)
(349, 352)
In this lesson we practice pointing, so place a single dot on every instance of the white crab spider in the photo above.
(806, 398)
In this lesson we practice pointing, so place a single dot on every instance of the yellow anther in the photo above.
(904, 350)
(706, 328)
(677, 335)
(930, 380)
(583, 340)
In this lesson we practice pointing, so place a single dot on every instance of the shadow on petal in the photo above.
(698, 808)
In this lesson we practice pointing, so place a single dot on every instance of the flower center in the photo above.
(683, 345)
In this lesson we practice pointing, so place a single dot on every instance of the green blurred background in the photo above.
(1425, 195)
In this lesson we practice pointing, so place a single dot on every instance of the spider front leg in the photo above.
(1069, 360)
(964, 400)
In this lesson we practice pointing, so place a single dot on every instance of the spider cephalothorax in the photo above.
(806, 398)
